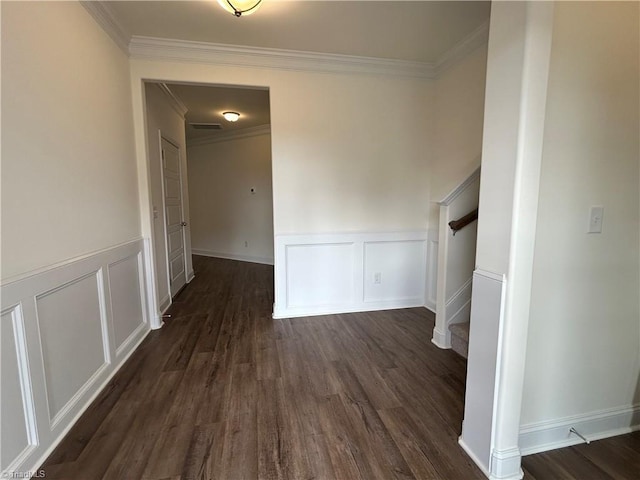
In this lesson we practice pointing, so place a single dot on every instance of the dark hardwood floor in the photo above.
(223, 391)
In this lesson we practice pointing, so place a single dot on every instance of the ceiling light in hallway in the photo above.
(231, 116)
(240, 7)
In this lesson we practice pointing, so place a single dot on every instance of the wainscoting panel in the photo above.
(127, 297)
(65, 331)
(391, 271)
(70, 321)
(16, 407)
(321, 274)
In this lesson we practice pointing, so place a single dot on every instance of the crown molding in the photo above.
(175, 102)
(150, 48)
(230, 135)
(153, 48)
(104, 16)
(477, 38)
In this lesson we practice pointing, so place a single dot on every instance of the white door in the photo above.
(174, 221)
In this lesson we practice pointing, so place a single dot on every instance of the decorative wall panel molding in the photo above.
(65, 331)
(320, 274)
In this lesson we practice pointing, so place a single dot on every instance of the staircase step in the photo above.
(460, 338)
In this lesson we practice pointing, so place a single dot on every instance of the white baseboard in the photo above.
(230, 256)
(544, 436)
(431, 306)
(294, 312)
(134, 343)
(190, 276)
(505, 465)
(441, 339)
(165, 303)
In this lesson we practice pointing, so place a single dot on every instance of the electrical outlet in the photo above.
(377, 278)
(595, 219)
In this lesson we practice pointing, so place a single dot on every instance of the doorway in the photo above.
(210, 178)
(174, 223)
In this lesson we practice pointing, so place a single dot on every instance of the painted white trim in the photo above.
(231, 256)
(552, 434)
(183, 199)
(457, 309)
(498, 277)
(105, 17)
(441, 339)
(312, 311)
(479, 37)
(153, 307)
(229, 135)
(456, 192)
(534, 60)
(22, 276)
(431, 288)
(190, 274)
(173, 100)
(26, 387)
(505, 465)
(458, 301)
(152, 48)
(117, 366)
(44, 430)
(201, 52)
(358, 300)
(165, 304)
(73, 402)
(131, 340)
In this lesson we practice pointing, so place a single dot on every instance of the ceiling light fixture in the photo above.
(231, 116)
(240, 7)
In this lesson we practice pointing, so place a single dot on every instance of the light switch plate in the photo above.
(596, 213)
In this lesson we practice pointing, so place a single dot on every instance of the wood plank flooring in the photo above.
(225, 392)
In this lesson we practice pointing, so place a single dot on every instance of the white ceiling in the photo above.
(421, 31)
(207, 103)
(415, 30)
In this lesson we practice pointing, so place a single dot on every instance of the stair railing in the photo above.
(459, 224)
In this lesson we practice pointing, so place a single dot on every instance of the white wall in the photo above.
(224, 212)
(350, 152)
(583, 353)
(163, 119)
(69, 184)
(69, 210)
(459, 113)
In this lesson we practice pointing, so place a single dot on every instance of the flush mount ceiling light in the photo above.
(240, 7)
(231, 116)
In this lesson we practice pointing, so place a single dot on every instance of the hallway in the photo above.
(223, 391)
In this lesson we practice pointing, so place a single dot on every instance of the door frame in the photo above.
(161, 137)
